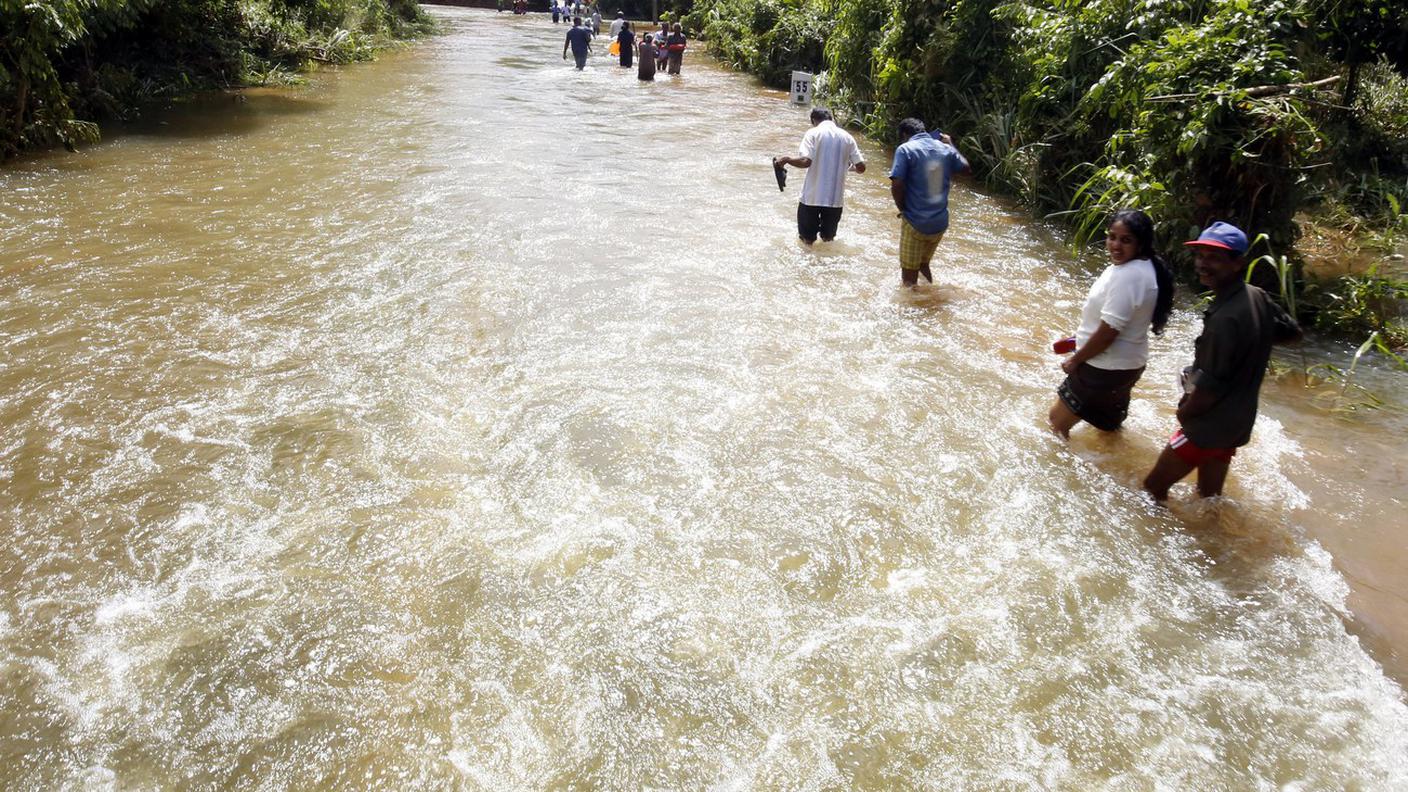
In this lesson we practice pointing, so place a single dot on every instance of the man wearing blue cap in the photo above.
(1220, 389)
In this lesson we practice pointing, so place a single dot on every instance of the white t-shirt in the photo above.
(616, 25)
(832, 151)
(1123, 297)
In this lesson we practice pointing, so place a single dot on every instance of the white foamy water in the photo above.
(464, 421)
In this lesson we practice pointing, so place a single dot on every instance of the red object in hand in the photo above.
(1065, 346)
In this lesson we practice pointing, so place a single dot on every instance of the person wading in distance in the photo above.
(662, 55)
(580, 40)
(827, 152)
(645, 69)
(674, 48)
(626, 46)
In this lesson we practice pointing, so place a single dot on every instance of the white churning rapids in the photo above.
(465, 421)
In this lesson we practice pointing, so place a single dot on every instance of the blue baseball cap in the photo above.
(1221, 235)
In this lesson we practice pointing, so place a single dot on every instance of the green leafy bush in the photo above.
(65, 64)
(770, 38)
(1361, 305)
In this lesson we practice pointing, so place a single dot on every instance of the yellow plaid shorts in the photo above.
(916, 248)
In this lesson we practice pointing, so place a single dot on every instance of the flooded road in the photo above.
(466, 421)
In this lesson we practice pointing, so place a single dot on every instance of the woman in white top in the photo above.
(1133, 296)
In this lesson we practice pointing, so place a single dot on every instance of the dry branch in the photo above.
(1255, 91)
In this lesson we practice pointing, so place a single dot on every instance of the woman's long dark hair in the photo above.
(1142, 228)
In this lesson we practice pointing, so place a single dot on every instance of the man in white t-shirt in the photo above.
(618, 23)
(827, 152)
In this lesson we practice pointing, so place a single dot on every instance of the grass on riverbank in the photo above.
(66, 65)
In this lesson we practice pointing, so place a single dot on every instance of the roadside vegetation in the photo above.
(66, 65)
(1287, 117)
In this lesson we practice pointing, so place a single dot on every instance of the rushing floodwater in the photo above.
(466, 421)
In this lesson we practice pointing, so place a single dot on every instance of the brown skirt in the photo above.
(1099, 396)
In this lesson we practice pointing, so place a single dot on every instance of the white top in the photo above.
(1123, 297)
(616, 25)
(832, 151)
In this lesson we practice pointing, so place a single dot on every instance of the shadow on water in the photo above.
(517, 62)
(823, 249)
(1242, 546)
(1246, 554)
(217, 114)
(925, 295)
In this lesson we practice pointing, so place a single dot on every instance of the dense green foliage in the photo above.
(1187, 107)
(1193, 110)
(65, 64)
(769, 38)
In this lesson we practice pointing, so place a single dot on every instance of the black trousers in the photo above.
(814, 221)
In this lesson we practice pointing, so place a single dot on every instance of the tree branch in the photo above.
(1255, 91)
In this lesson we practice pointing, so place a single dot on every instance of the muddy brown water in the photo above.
(464, 421)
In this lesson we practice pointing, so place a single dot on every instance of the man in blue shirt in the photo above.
(581, 40)
(919, 180)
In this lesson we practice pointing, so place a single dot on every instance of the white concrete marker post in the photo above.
(801, 88)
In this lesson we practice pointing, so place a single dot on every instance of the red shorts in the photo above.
(1194, 455)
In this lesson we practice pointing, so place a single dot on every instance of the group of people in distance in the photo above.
(662, 50)
(568, 10)
(1131, 298)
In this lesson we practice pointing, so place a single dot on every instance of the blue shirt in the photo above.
(926, 166)
(578, 37)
